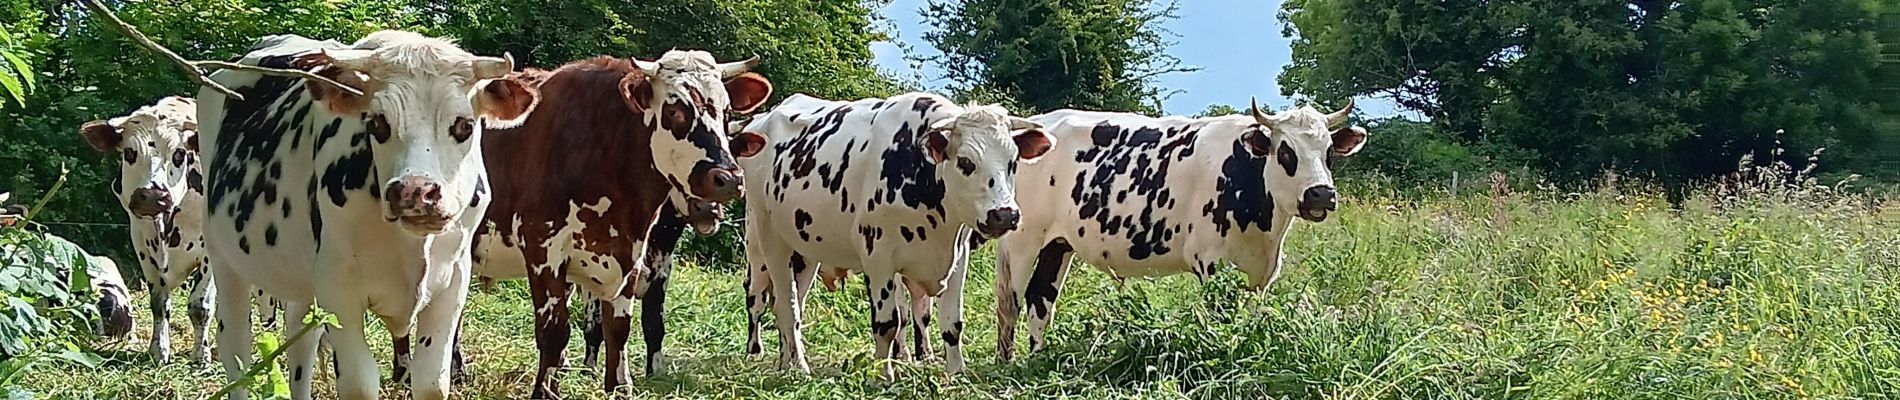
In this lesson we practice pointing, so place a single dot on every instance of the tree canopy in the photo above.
(1050, 54)
(1679, 89)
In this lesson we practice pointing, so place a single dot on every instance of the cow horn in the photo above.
(732, 69)
(1258, 116)
(350, 59)
(492, 67)
(650, 68)
(1339, 116)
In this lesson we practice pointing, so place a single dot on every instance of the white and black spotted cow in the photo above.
(162, 192)
(1143, 196)
(884, 186)
(362, 204)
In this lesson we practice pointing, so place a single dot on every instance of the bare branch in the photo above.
(293, 73)
(194, 70)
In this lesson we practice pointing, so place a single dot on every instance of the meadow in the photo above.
(1539, 294)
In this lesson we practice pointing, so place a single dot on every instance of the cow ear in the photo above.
(746, 144)
(1257, 141)
(191, 141)
(1031, 144)
(937, 141)
(1348, 140)
(506, 102)
(747, 91)
(636, 91)
(335, 99)
(102, 136)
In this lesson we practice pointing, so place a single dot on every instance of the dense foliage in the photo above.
(1677, 89)
(1051, 54)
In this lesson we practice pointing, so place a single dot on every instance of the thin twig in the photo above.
(191, 72)
(195, 70)
(258, 367)
(37, 205)
(277, 72)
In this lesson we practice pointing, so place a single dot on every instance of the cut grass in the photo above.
(1581, 296)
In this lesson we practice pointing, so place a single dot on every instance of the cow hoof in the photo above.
(201, 356)
(161, 355)
(656, 365)
(545, 393)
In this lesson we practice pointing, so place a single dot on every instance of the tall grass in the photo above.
(1757, 289)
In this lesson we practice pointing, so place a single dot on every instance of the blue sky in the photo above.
(1236, 43)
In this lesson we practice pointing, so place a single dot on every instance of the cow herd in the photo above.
(417, 168)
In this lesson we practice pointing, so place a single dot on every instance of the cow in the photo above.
(162, 192)
(1141, 196)
(363, 204)
(114, 302)
(883, 186)
(578, 186)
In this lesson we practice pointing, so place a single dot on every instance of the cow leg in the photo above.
(400, 356)
(161, 304)
(234, 330)
(458, 366)
(549, 290)
(356, 371)
(758, 296)
(950, 312)
(921, 303)
(616, 322)
(1052, 268)
(301, 356)
(787, 305)
(266, 307)
(659, 259)
(885, 320)
(435, 330)
(198, 308)
(1011, 277)
(591, 338)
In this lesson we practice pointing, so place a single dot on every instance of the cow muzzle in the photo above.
(416, 203)
(149, 202)
(718, 184)
(704, 215)
(999, 221)
(1317, 202)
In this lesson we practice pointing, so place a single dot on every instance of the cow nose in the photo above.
(1000, 221)
(727, 184)
(150, 201)
(413, 196)
(1320, 197)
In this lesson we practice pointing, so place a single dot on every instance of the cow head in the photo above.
(115, 303)
(1298, 145)
(976, 154)
(157, 147)
(426, 102)
(686, 96)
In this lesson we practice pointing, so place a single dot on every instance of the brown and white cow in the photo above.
(885, 186)
(361, 204)
(1140, 196)
(162, 192)
(579, 184)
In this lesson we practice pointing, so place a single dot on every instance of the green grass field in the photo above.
(1542, 296)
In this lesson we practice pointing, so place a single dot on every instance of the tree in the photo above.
(1677, 89)
(1050, 54)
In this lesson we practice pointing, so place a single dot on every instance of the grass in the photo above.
(1542, 295)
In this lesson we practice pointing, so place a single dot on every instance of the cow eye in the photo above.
(462, 129)
(129, 155)
(178, 158)
(1287, 159)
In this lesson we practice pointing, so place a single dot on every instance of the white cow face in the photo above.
(976, 155)
(427, 102)
(157, 147)
(686, 96)
(1298, 145)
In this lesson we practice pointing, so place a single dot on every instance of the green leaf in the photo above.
(80, 358)
(12, 85)
(20, 66)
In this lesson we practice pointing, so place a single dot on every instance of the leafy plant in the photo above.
(16, 78)
(45, 305)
